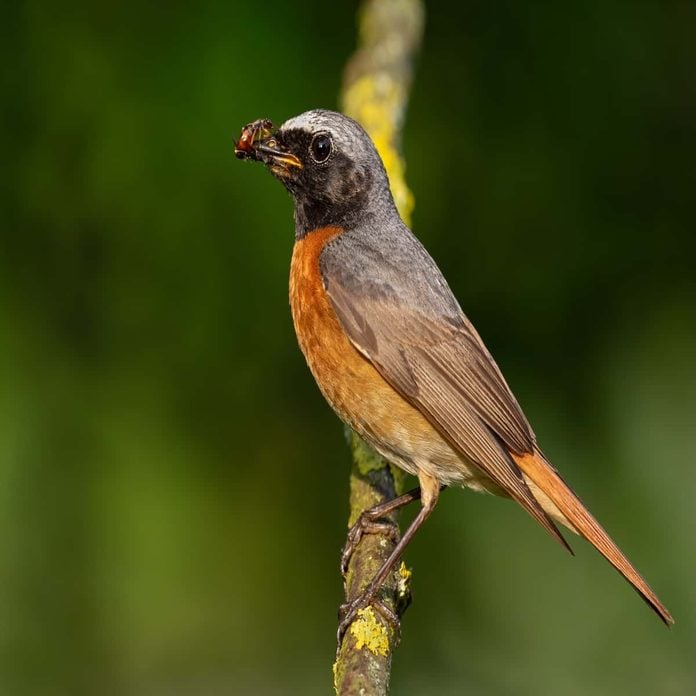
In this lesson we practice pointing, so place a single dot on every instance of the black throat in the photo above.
(340, 199)
(313, 214)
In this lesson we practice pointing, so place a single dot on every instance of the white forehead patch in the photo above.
(344, 129)
(315, 120)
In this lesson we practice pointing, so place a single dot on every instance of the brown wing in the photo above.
(440, 365)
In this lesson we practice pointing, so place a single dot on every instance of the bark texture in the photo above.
(375, 92)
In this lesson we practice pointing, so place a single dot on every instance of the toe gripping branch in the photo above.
(378, 523)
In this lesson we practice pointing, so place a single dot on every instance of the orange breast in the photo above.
(346, 379)
(352, 386)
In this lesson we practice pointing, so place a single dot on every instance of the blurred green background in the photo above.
(173, 489)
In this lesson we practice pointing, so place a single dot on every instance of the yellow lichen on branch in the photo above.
(370, 633)
(378, 81)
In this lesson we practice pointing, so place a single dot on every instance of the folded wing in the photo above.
(440, 365)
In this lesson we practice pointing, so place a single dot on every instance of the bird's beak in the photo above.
(280, 161)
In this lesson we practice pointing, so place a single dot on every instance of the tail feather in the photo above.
(575, 516)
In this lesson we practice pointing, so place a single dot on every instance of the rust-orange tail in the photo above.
(548, 486)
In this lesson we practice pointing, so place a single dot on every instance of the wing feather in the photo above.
(440, 365)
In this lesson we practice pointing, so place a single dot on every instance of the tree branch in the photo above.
(375, 92)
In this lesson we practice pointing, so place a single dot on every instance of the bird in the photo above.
(391, 350)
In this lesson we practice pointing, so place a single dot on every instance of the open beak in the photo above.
(279, 160)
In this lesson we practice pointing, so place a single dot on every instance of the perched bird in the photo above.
(390, 347)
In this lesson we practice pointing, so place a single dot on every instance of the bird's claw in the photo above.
(365, 525)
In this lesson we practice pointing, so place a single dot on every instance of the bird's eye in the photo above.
(321, 147)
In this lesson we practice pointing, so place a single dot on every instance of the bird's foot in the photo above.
(366, 524)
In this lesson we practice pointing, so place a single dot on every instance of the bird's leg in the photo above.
(371, 522)
(429, 492)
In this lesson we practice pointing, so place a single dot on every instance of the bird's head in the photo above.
(329, 165)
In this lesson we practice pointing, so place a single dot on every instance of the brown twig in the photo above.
(375, 92)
